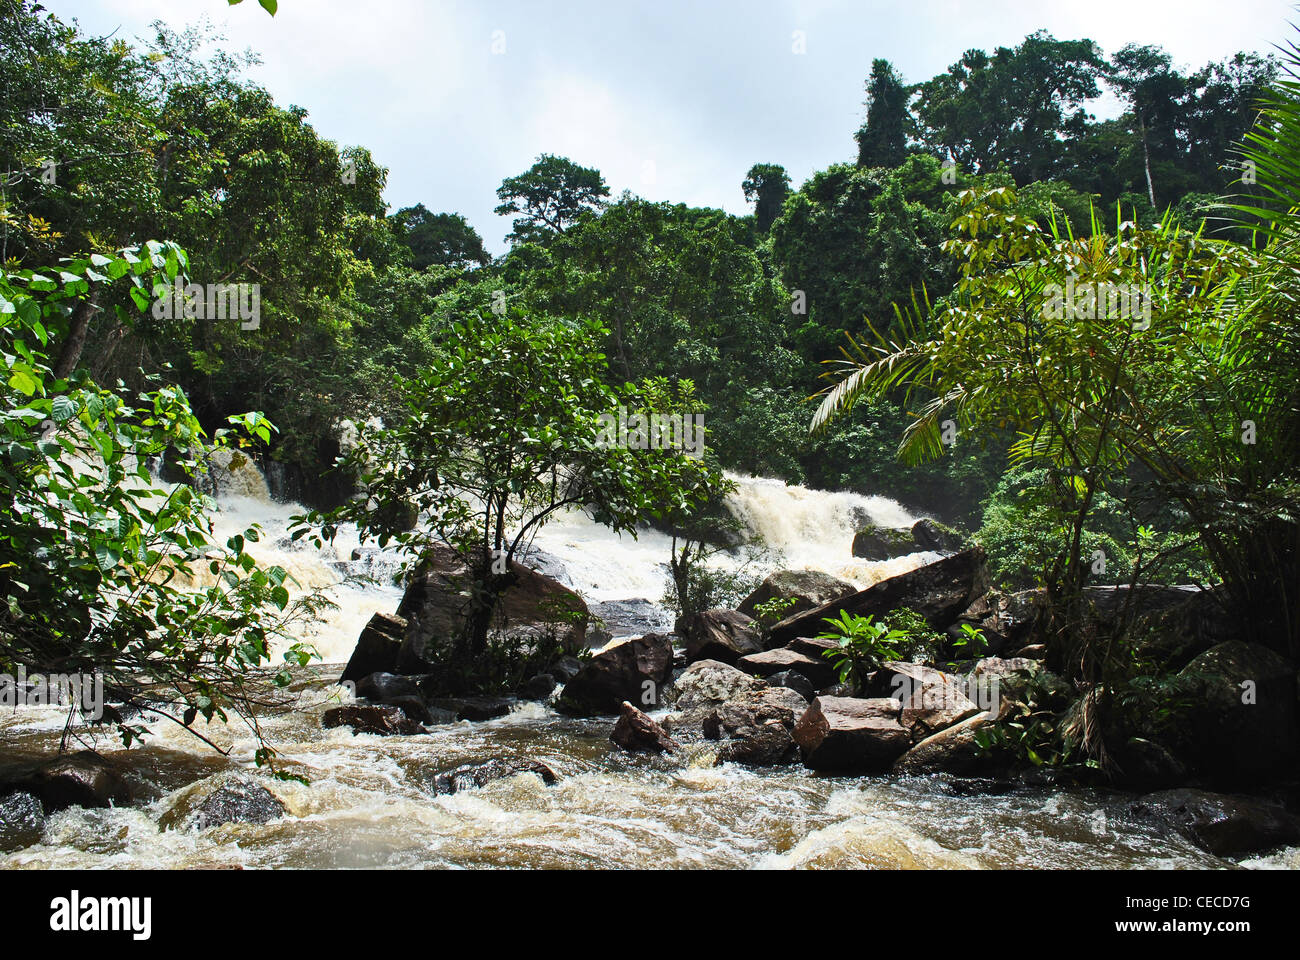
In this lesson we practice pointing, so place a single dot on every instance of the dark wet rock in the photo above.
(377, 648)
(757, 729)
(636, 732)
(939, 591)
(539, 687)
(724, 635)
(1223, 824)
(83, 779)
(389, 689)
(952, 750)
(702, 687)
(1142, 764)
(813, 666)
(437, 600)
(850, 735)
(795, 681)
(472, 775)
(474, 708)
(383, 721)
(22, 821)
(1035, 651)
(932, 535)
(883, 543)
(807, 588)
(238, 800)
(635, 670)
(1233, 715)
(566, 668)
(384, 687)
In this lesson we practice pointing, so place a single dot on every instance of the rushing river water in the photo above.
(370, 802)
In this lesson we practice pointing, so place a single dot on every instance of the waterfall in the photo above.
(802, 528)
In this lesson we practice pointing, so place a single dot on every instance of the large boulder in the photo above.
(757, 729)
(636, 732)
(437, 601)
(807, 588)
(82, 779)
(850, 735)
(931, 699)
(724, 635)
(939, 591)
(805, 656)
(953, 750)
(635, 670)
(383, 721)
(875, 542)
(1223, 824)
(1233, 715)
(377, 648)
(935, 536)
(704, 686)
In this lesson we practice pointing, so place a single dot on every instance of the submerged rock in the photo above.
(237, 800)
(1221, 823)
(383, 721)
(636, 732)
(474, 708)
(22, 821)
(83, 779)
(723, 635)
(636, 670)
(471, 775)
(851, 735)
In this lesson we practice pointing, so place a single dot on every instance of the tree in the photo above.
(442, 239)
(766, 186)
(499, 433)
(1144, 76)
(882, 139)
(551, 195)
(1018, 107)
(95, 556)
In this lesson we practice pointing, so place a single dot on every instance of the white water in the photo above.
(805, 529)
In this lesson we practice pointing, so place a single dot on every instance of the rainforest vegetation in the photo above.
(911, 278)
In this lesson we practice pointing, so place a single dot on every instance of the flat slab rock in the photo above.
(814, 667)
(849, 734)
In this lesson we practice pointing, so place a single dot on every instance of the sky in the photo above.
(673, 100)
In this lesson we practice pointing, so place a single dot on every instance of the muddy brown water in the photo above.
(369, 803)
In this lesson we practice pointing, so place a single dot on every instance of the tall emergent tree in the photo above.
(550, 195)
(882, 138)
(766, 186)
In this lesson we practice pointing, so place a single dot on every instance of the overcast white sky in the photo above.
(674, 100)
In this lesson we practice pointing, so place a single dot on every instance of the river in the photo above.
(369, 801)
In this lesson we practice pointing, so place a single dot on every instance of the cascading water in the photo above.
(368, 802)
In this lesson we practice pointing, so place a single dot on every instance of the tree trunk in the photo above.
(1146, 160)
(78, 326)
